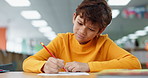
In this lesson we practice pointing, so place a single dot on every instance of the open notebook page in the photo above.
(64, 74)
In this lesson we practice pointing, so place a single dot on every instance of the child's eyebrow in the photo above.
(93, 26)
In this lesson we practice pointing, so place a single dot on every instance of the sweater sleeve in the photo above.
(116, 58)
(35, 63)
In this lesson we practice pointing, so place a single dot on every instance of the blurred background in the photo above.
(26, 23)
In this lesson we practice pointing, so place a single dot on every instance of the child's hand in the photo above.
(53, 65)
(77, 67)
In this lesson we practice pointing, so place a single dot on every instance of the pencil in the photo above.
(49, 52)
(47, 49)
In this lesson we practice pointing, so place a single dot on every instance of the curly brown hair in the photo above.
(96, 11)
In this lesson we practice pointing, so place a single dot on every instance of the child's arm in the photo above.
(117, 58)
(36, 62)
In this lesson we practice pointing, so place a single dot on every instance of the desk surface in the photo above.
(34, 75)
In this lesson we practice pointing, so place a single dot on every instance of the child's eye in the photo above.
(80, 23)
(91, 29)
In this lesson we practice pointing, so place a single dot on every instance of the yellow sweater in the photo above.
(100, 53)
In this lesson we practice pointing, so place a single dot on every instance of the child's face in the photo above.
(84, 33)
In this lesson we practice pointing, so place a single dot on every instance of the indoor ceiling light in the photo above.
(140, 33)
(51, 38)
(118, 41)
(45, 29)
(39, 23)
(51, 35)
(146, 28)
(132, 36)
(115, 13)
(32, 14)
(18, 3)
(125, 38)
(118, 2)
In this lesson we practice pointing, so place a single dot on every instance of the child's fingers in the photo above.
(51, 70)
(60, 63)
(53, 60)
(53, 65)
(69, 66)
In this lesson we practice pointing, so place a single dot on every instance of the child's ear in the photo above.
(74, 17)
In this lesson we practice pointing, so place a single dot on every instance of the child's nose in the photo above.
(83, 30)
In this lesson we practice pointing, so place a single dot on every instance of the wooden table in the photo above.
(34, 75)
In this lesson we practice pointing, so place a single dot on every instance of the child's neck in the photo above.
(84, 42)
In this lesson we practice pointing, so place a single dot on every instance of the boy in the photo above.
(85, 50)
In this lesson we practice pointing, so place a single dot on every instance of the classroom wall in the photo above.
(2, 38)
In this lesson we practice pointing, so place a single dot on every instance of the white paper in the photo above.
(65, 74)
